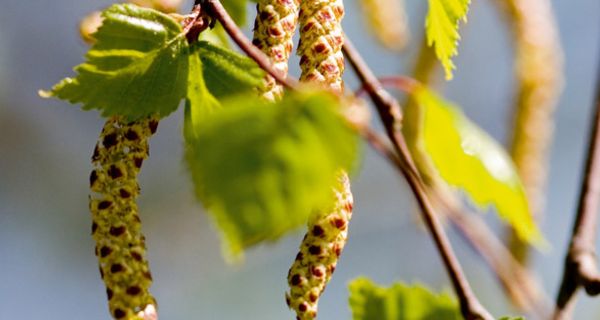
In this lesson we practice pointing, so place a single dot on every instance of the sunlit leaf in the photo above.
(262, 168)
(137, 67)
(441, 26)
(369, 301)
(227, 72)
(200, 103)
(466, 157)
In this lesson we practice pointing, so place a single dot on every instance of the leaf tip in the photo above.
(45, 94)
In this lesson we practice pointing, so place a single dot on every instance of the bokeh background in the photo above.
(47, 266)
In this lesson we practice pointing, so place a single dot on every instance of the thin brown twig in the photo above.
(405, 84)
(581, 268)
(517, 281)
(194, 23)
(390, 114)
(526, 293)
(519, 284)
(216, 10)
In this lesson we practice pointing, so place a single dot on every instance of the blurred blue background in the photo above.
(47, 266)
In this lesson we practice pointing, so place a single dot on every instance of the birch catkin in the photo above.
(539, 83)
(539, 78)
(274, 28)
(321, 40)
(116, 227)
(319, 252)
(322, 62)
(386, 19)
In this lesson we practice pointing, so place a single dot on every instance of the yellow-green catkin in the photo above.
(387, 21)
(319, 252)
(539, 78)
(321, 41)
(274, 28)
(116, 227)
(539, 83)
(322, 62)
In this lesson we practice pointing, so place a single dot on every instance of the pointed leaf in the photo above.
(441, 26)
(227, 72)
(200, 103)
(261, 168)
(468, 158)
(399, 302)
(137, 67)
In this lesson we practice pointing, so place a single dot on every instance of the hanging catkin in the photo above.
(274, 28)
(319, 252)
(539, 83)
(321, 40)
(322, 62)
(116, 227)
(387, 21)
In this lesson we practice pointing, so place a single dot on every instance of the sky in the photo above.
(47, 266)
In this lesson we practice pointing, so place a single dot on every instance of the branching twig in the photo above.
(390, 114)
(581, 268)
(518, 282)
(526, 292)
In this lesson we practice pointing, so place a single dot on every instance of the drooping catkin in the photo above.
(116, 227)
(539, 84)
(319, 252)
(321, 41)
(387, 21)
(322, 62)
(274, 28)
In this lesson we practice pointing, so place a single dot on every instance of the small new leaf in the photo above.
(441, 26)
(137, 67)
(227, 72)
(398, 302)
(262, 168)
(463, 155)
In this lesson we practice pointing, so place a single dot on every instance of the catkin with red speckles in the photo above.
(321, 40)
(274, 28)
(322, 62)
(387, 21)
(319, 252)
(116, 228)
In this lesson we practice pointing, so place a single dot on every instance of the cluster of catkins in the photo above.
(322, 62)
(123, 146)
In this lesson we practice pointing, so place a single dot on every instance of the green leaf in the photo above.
(441, 27)
(227, 72)
(200, 103)
(463, 155)
(137, 67)
(262, 168)
(399, 302)
(237, 10)
(511, 318)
